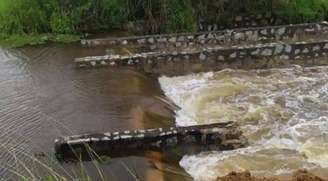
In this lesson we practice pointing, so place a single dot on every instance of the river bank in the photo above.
(16, 41)
(22, 18)
(301, 175)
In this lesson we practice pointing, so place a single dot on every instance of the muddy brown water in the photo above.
(43, 96)
(283, 113)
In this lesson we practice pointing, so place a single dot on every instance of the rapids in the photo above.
(283, 113)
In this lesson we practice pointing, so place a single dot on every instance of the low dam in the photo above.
(270, 82)
(230, 36)
(178, 54)
(163, 127)
(220, 136)
(262, 47)
(257, 56)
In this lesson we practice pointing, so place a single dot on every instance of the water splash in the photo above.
(283, 113)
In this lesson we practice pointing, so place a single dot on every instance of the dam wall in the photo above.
(254, 48)
(114, 144)
(231, 36)
(241, 21)
(217, 58)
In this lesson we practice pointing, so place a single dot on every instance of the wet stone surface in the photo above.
(221, 136)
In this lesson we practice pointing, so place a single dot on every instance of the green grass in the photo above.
(38, 21)
(17, 40)
(49, 169)
(35, 18)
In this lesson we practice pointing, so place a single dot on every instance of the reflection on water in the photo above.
(43, 96)
(283, 113)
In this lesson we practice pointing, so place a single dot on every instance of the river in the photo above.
(283, 113)
(43, 96)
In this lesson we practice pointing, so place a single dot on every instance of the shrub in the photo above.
(22, 17)
(58, 16)
(298, 11)
(180, 17)
(61, 24)
(78, 16)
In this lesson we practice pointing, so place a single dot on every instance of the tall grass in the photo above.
(19, 17)
(56, 16)
(49, 169)
(37, 21)
(180, 17)
(298, 11)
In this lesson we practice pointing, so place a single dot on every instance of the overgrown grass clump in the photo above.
(37, 21)
(60, 16)
(21, 18)
(299, 11)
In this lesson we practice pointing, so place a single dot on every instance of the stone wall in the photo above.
(211, 59)
(138, 27)
(220, 135)
(153, 42)
(243, 21)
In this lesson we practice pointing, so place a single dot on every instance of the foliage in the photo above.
(21, 16)
(26, 17)
(18, 40)
(298, 11)
(61, 24)
(180, 17)
(60, 16)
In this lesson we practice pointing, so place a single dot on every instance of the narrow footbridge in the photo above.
(220, 136)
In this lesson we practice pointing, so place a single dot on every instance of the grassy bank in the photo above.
(39, 21)
(51, 19)
(18, 40)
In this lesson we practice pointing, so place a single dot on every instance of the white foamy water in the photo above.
(282, 112)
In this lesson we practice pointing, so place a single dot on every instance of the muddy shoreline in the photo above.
(301, 175)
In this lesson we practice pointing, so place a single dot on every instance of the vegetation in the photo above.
(37, 21)
(47, 168)
(18, 40)
(22, 18)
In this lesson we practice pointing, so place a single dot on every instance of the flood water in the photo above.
(43, 96)
(282, 112)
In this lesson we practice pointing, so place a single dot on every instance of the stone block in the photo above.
(279, 49)
(151, 40)
(326, 46)
(162, 40)
(267, 52)
(202, 56)
(316, 48)
(288, 49)
(181, 39)
(255, 52)
(297, 51)
(124, 42)
(233, 55)
(281, 31)
(173, 39)
(141, 41)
